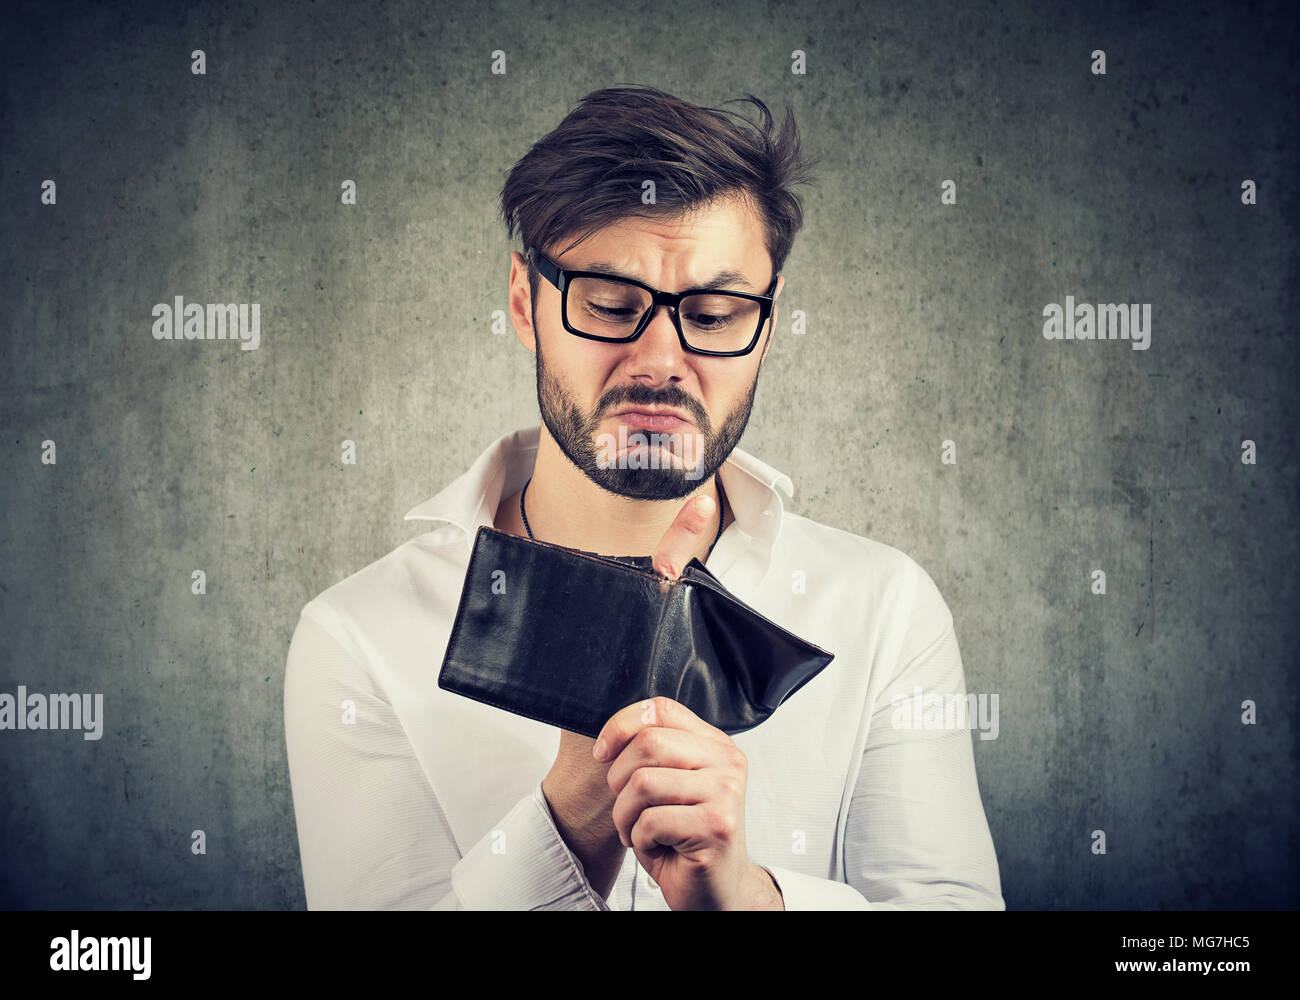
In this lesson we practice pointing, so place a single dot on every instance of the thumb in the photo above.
(681, 539)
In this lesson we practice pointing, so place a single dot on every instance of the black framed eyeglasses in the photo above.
(594, 305)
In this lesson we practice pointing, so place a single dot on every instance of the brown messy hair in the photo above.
(587, 173)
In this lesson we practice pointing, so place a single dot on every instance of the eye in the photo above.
(615, 313)
(709, 321)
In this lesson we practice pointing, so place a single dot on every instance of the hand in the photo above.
(680, 787)
(576, 787)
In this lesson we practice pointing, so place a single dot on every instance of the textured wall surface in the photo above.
(1119, 712)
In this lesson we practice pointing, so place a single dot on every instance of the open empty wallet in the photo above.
(568, 638)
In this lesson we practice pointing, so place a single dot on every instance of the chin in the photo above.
(645, 484)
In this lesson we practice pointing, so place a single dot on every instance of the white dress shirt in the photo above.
(411, 797)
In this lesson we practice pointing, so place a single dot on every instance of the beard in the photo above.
(576, 432)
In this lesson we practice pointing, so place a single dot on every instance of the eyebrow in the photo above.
(723, 279)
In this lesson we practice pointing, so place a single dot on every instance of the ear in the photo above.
(520, 305)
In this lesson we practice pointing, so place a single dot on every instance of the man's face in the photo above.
(584, 385)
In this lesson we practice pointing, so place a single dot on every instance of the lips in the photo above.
(661, 420)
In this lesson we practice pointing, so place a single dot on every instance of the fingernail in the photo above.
(598, 751)
(705, 505)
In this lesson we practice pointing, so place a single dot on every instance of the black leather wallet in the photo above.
(568, 638)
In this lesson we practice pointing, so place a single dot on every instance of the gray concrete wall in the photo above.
(1119, 712)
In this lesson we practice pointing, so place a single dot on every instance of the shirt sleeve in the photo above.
(371, 832)
(800, 891)
(916, 835)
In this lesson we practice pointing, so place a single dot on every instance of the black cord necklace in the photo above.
(722, 517)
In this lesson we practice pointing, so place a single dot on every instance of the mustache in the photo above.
(675, 401)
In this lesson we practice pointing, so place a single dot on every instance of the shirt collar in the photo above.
(756, 491)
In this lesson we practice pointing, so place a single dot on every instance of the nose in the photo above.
(657, 352)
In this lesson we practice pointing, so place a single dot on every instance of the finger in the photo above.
(682, 538)
(660, 786)
(685, 829)
(657, 746)
(657, 711)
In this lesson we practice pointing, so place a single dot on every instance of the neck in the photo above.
(566, 508)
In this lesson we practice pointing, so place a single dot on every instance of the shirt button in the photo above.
(651, 884)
